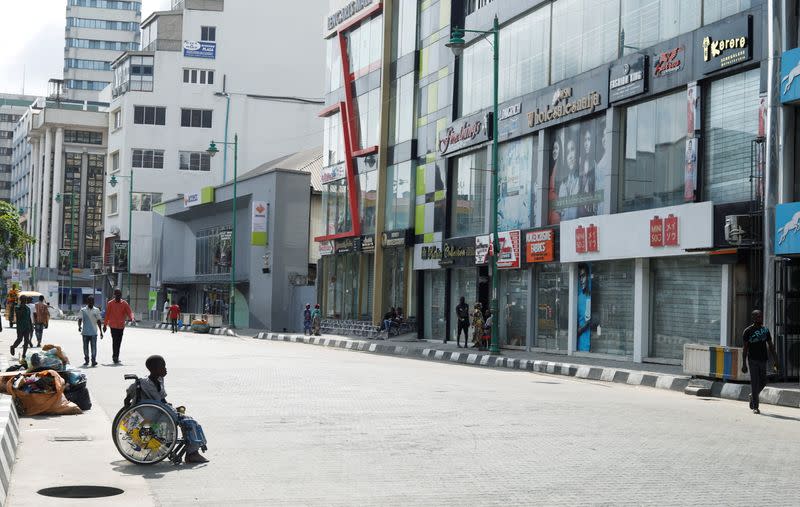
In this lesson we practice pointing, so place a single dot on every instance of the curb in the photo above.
(220, 331)
(602, 374)
(9, 438)
(741, 392)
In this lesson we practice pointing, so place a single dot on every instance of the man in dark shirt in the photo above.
(758, 348)
(462, 314)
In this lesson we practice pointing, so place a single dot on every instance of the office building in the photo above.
(13, 149)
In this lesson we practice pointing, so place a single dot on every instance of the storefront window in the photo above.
(686, 294)
(586, 36)
(435, 287)
(342, 274)
(213, 251)
(648, 22)
(394, 277)
(552, 299)
(655, 144)
(463, 283)
(580, 171)
(730, 125)
(368, 187)
(714, 10)
(513, 308)
(336, 207)
(516, 202)
(470, 202)
(605, 307)
(400, 198)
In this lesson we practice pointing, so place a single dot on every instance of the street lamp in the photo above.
(457, 44)
(113, 182)
(213, 150)
(59, 198)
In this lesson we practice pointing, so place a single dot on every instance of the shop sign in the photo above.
(325, 247)
(790, 72)
(510, 111)
(787, 228)
(509, 244)
(402, 237)
(458, 252)
(346, 12)
(669, 62)
(639, 234)
(483, 248)
(540, 245)
(628, 78)
(198, 49)
(368, 243)
(565, 105)
(120, 249)
(258, 229)
(464, 133)
(725, 44)
(332, 173)
(427, 255)
(345, 245)
(203, 196)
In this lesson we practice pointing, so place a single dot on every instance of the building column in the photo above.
(58, 188)
(33, 199)
(572, 326)
(726, 307)
(47, 198)
(641, 311)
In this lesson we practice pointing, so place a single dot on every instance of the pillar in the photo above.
(726, 338)
(641, 311)
(58, 188)
(33, 199)
(47, 198)
(572, 327)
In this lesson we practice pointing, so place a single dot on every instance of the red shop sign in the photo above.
(656, 231)
(580, 240)
(591, 238)
(671, 230)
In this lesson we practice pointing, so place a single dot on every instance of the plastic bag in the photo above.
(56, 349)
(38, 361)
(37, 403)
(180, 322)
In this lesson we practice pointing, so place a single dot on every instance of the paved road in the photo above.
(290, 424)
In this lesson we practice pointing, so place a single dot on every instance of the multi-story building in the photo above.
(12, 148)
(195, 81)
(97, 32)
(628, 132)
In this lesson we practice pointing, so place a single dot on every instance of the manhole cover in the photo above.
(80, 492)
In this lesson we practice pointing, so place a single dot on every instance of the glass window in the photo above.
(648, 22)
(400, 199)
(434, 291)
(149, 115)
(513, 308)
(112, 204)
(94, 207)
(333, 141)
(394, 278)
(404, 28)
(552, 299)
(364, 45)
(208, 33)
(368, 187)
(655, 144)
(605, 307)
(587, 36)
(148, 159)
(213, 251)
(194, 161)
(401, 111)
(686, 299)
(199, 118)
(144, 201)
(516, 199)
(333, 65)
(369, 118)
(115, 161)
(730, 126)
(83, 137)
(336, 207)
(714, 10)
(470, 200)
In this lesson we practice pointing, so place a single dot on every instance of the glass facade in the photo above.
(394, 278)
(463, 283)
(470, 199)
(336, 207)
(94, 207)
(587, 35)
(367, 200)
(435, 311)
(513, 308)
(648, 22)
(213, 251)
(552, 301)
(365, 45)
(70, 229)
(400, 196)
(368, 107)
(517, 174)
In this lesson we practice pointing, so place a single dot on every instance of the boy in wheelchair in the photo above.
(152, 388)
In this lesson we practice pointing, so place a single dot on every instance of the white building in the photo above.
(167, 104)
(12, 152)
(97, 32)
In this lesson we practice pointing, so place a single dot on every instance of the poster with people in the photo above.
(580, 171)
(584, 307)
(64, 261)
(515, 204)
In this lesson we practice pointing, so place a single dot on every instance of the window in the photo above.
(81, 84)
(404, 28)
(648, 22)
(117, 119)
(208, 33)
(149, 115)
(115, 161)
(655, 145)
(102, 44)
(198, 76)
(141, 73)
(333, 65)
(333, 141)
(364, 45)
(730, 125)
(369, 118)
(401, 111)
(70, 224)
(213, 251)
(6, 134)
(335, 207)
(5, 151)
(587, 36)
(470, 200)
(83, 137)
(112, 204)
(148, 159)
(196, 118)
(144, 201)
(76, 63)
(714, 10)
(400, 200)
(102, 24)
(194, 161)
(108, 4)
(9, 118)
(368, 188)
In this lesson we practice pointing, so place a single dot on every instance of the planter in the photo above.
(200, 327)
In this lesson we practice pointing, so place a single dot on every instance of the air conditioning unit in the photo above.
(739, 229)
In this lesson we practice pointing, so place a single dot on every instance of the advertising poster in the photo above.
(120, 256)
(580, 169)
(515, 209)
(690, 173)
(152, 300)
(540, 245)
(692, 108)
(483, 246)
(223, 253)
(63, 262)
(198, 49)
(509, 257)
(258, 231)
(787, 228)
(584, 307)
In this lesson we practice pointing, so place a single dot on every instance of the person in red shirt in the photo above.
(174, 312)
(117, 311)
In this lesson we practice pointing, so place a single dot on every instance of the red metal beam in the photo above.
(330, 110)
(349, 129)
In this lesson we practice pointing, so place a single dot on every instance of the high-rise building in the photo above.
(97, 32)
(12, 107)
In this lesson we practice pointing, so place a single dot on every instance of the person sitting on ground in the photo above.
(152, 388)
(388, 317)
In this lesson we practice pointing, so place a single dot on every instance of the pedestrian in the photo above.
(388, 317)
(307, 320)
(32, 311)
(477, 326)
(462, 316)
(41, 319)
(117, 311)
(316, 320)
(88, 325)
(486, 338)
(166, 310)
(22, 315)
(12, 298)
(174, 313)
(758, 347)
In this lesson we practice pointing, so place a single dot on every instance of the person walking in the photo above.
(477, 326)
(41, 319)
(307, 320)
(174, 313)
(32, 311)
(167, 305)
(22, 316)
(117, 311)
(316, 320)
(758, 347)
(88, 326)
(462, 316)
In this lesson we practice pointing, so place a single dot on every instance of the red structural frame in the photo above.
(350, 131)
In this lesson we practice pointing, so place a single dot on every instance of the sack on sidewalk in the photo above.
(41, 393)
(79, 395)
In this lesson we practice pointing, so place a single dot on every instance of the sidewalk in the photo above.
(660, 376)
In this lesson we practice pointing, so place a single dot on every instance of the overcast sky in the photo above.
(32, 40)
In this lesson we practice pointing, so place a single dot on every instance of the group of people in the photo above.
(481, 322)
(392, 319)
(312, 320)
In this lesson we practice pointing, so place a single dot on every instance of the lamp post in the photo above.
(227, 117)
(113, 183)
(59, 198)
(457, 44)
(212, 150)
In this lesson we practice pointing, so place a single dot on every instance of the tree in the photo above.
(13, 239)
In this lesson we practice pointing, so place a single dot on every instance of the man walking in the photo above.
(462, 314)
(174, 313)
(90, 321)
(22, 315)
(41, 319)
(758, 348)
(117, 311)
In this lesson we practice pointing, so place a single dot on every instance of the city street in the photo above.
(290, 424)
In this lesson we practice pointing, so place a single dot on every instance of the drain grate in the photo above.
(70, 438)
(80, 492)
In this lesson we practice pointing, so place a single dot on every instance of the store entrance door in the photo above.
(787, 316)
(484, 287)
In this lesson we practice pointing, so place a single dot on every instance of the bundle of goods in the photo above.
(41, 393)
(75, 389)
(50, 358)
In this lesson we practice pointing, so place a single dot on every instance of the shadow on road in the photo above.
(784, 417)
(156, 471)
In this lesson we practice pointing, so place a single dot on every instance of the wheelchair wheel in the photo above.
(145, 433)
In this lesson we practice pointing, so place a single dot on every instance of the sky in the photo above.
(32, 42)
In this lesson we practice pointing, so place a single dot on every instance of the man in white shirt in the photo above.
(89, 325)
